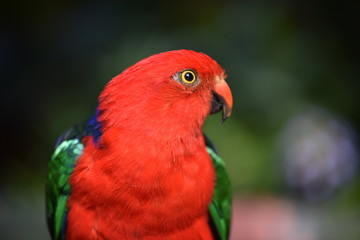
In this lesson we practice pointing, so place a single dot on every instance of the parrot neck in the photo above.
(149, 143)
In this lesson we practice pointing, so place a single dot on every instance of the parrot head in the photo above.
(167, 91)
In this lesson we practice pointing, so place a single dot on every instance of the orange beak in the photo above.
(222, 99)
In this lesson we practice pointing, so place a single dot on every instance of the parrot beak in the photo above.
(222, 99)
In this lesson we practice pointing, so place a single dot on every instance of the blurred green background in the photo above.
(289, 64)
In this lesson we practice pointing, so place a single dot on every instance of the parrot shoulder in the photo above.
(67, 150)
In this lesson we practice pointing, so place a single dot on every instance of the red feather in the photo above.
(149, 176)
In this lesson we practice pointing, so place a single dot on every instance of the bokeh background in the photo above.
(290, 147)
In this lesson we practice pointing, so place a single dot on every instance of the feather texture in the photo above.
(220, 207)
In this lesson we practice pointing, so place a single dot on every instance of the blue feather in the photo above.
(94, 126)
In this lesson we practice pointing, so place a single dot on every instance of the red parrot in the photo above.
(141, 167)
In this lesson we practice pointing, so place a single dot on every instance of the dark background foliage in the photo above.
(283, 59)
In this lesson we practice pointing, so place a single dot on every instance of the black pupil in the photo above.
(189, 76)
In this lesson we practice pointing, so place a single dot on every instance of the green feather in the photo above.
(57, 186)
(220, 208)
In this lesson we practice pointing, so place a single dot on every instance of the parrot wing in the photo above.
(220, 207)
(67, 150)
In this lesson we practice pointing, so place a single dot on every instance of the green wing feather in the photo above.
(220, 208)
(57, 187)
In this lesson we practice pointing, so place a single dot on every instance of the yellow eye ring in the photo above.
(188, 76)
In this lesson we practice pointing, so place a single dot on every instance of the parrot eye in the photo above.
(188, 76)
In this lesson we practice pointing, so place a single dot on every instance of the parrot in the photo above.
(141, 167)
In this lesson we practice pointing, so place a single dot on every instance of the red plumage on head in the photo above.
(151, 177)
(145, 94)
